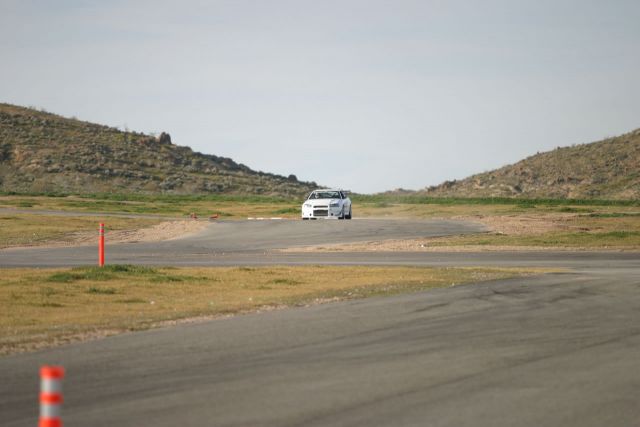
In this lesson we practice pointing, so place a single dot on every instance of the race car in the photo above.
(327, 204)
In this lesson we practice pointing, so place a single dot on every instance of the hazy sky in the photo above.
(365, 95)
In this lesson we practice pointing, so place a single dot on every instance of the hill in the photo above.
(608, 169)
(46, 153)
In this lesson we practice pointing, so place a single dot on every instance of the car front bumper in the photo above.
(323, 211)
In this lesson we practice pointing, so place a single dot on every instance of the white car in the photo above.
(327, 204)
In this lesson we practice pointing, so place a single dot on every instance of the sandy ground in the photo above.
(523, 224)
(167, 230)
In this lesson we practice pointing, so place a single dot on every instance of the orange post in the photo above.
(51, 396)
(101, 246)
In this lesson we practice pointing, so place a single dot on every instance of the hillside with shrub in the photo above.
(42, 152)
(607, 169)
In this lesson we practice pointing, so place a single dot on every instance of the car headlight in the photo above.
(307, 205)
(335, 204)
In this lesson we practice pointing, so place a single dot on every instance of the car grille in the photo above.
(320, 212)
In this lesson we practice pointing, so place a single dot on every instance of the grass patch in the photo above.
(620, 234)
(586, 240)
(614, 215)
(125, 268)
(289, 210)
(82, 273)
(163, 278)
(131, 301)
(486, 207)
(226, 206)
(101, 291)
(289, 282)
(569, 209)
(48, 304)
(124, 298)
(115, 272)
(107, 272)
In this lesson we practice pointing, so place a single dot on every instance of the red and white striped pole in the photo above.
(51, 396)
(101, 246)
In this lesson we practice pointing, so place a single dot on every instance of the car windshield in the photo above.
(324, 195)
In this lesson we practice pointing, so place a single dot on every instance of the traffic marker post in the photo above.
(51, 396)
(101, 246)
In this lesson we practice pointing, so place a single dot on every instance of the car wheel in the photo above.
(348, 216)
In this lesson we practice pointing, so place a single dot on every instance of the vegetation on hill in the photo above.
(608, 169)
(42, 152)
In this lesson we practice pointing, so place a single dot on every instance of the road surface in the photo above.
(555, 350)
(242, 238)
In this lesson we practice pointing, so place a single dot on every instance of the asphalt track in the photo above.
(251, 241)
(554, 350)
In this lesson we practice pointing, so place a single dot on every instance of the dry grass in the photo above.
(44, 307)
(177, 207)
(428, 210)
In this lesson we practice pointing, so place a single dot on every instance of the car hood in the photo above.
(323, 202)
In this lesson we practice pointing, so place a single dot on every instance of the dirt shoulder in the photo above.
(165, 230)
(520, 225)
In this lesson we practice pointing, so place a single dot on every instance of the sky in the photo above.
(363, 95)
